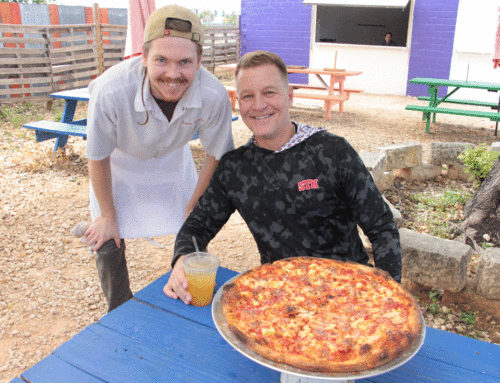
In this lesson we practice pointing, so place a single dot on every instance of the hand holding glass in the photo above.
(200, 269)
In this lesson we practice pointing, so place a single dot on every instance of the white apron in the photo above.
(151, 195)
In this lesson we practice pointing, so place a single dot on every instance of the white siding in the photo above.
(385, 69)
(473, 47)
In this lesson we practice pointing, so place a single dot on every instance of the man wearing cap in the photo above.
(142, 114)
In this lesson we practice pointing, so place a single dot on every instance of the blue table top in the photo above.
(81, 94)
(153, 338)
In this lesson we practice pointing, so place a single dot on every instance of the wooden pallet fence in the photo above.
(24, 62)
(38, 60)
(114, 51)
(73, 58)
(222, 46)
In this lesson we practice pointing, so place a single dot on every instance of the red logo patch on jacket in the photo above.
(308, 184)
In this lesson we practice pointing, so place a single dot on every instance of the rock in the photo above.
(486, 281)
(457, 172)
(434, 262)
(446, 153)
(375, 162)
(400, 156)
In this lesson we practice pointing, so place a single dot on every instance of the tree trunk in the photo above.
(481, 211)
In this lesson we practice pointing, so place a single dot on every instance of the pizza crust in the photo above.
(321, 315)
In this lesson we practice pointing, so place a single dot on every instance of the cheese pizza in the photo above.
(321, 315)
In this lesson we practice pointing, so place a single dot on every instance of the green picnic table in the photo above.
(432, 109)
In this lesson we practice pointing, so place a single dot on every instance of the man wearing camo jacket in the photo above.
(301, 190)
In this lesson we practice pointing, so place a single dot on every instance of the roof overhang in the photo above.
(360, 3)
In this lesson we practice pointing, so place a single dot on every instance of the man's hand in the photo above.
(102, 230)
(177, 284)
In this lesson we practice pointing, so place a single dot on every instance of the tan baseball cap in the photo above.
(155, 26)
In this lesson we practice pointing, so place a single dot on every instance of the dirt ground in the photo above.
(50, 289)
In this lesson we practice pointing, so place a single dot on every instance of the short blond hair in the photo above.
(258, 58)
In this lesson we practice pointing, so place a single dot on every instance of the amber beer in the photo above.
(200, 269)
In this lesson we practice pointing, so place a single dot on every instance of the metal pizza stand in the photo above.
(290, 374)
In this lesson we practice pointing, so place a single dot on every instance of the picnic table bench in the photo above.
(46, 130)
(315, 87)
(430, 111)
(334, 88)
(336, 93)
(492, 105)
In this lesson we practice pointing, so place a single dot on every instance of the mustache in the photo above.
(173, 80)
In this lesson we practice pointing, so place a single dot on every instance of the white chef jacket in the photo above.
(153, 172)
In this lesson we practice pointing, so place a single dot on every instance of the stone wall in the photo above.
(428, 261)
(414, 161)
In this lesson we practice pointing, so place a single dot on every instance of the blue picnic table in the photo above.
(46, 130)
(153, 338)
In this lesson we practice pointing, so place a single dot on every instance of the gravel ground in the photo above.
(50, 289)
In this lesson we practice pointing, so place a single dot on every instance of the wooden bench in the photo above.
(428, 111)
(494, 116)
(314, 87)
(492, 105)
(323, 97)
(231, 91)
(329, 100)
(46, 130)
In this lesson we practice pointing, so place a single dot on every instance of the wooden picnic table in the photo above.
(336, 93)
(432, 109)
(153, 338)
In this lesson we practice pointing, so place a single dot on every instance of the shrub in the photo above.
(479, 162)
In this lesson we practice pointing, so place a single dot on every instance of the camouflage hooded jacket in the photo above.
(305, 200)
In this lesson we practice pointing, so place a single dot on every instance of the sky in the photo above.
(222, 5)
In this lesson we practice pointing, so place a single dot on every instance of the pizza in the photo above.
(321, 315)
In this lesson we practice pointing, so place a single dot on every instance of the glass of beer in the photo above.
(200, 269)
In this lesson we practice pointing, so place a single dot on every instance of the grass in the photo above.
(469, 319)
(433, 213)
(18, 114)
(434, 305)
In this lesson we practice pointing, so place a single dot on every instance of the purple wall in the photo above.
(432, 42)
(283, 27)
(279, 26)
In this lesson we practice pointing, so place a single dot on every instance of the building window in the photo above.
(361, 25)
